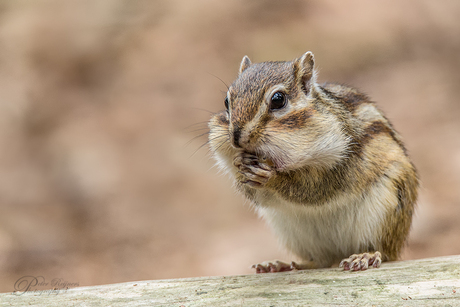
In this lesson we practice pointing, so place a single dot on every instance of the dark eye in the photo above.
(278, 101)
(226, 102)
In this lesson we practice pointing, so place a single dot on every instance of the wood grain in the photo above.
(425, 282)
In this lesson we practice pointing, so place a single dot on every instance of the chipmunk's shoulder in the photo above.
(346, 95)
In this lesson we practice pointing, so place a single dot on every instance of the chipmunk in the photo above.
(320, 163)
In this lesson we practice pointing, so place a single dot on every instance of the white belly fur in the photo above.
(329, 232)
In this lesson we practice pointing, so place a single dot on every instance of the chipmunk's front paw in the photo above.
(252, 170)
(361, 262)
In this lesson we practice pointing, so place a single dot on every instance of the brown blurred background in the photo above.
(97, 181)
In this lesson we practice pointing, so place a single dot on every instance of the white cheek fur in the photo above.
(224, 152)
(303, 149)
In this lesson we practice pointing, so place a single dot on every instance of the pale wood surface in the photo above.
(425, 282)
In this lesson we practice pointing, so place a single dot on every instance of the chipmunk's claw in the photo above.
(272, 267)
(361, 262)
(279, 266)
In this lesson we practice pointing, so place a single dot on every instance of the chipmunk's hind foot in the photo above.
(361, 262)
(272, 267)
(279, 266)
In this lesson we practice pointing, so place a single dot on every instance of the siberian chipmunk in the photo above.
(320, 163)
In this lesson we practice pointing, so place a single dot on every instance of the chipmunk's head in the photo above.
(274, 110)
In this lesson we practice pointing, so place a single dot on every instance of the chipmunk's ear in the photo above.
(305, 71)
(245, 63)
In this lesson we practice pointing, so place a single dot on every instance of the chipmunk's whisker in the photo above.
(196, 137)
(207, 142)
(221, 144)
(220, 80)
(205, 110)
(196, 124)
(198, 129)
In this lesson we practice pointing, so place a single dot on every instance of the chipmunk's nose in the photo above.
(236, 137)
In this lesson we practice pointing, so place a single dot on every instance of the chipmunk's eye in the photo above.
(226, 102)
(278, 101)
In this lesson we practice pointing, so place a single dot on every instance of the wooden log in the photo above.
(425, 282)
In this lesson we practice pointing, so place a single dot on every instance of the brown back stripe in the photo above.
(375, 128)
(397, 140)
(353, 100)
(350, 98)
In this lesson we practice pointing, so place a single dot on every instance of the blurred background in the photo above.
(101, 179)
